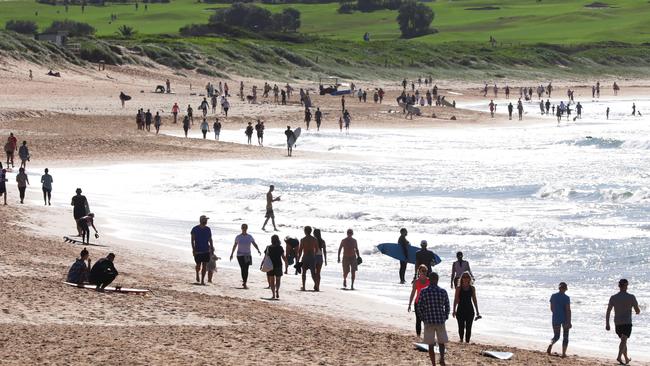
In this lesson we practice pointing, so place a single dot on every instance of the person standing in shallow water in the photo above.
(404, 245)
(269, 208)
(561, 310)
(23, 182)
(350, 254)
(463, 308)
(243, 244)
(622, 303)
(321, 256)
(47, 181)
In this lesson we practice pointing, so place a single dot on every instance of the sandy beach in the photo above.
(76, 121)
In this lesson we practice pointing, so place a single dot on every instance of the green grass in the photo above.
(516, 21)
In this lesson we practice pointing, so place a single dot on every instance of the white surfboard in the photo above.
(498, 355)
(292, 141)
(425, 347)
(110, 288)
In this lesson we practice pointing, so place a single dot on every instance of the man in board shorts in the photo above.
(307, 254)
(269, 208)
(622, 303)
(202, 247)
(350, 254)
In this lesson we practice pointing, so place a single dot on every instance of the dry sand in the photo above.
(76, 121)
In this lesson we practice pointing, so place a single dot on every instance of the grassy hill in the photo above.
(519, 21)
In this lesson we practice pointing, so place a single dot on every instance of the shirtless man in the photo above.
(269, 208)
(350, 255)
(307, 254)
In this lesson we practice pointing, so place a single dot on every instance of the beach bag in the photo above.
(267, 264)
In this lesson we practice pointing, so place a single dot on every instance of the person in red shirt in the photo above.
(175, 110)
(10, 148)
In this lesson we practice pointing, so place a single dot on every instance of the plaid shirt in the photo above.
(433, 305)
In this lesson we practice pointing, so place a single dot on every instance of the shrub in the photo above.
(22, 26)
(414, 19)
(74, 29)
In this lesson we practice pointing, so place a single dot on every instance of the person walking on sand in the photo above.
(204, 107)
(205, 128)
(510, 108)
(148, 118)
(80, 208)
(433, 309)
(216, 127)
(458, 268)
(561, 310)
(225, 105)
(404, 246)
(622, 303)
(186, 124)
(276, 253)
(269, 208)
(157, 122)
(307, 255)
(291, 140)
(492, 108)
(343, 102)
(347, 118)
(190, 114)
(175, 110)
(319, 118)
(259, 129)
(23, 182)
(243, 244)
(3, 183)
(249, 133)
(168, 86)
(23, 154)
(103, 273)
(47, 180)
(520, 109)
(350, 262)
(420, 283)
(321, 256)
(10, 148)
(202, 247)
(464, 305)
(307, 117)
(86, 223)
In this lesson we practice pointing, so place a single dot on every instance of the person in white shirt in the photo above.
(458, 268)
(243, 244)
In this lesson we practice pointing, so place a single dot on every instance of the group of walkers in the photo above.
(22, 179)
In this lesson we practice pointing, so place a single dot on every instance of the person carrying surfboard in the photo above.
(291, 138)
(404, 244)
(269, 208)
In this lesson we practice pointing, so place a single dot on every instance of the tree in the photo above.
(22, 26)
(414, 19)
(290, 20)
(74, 29)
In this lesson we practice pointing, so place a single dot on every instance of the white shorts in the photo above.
(433, 333)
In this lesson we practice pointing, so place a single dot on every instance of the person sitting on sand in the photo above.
(291, 250)
(622, 303)
(276, 253)
(561, 310)
(202, 247)
(103, 272)
(420, 283)
(307, 255)
(433, 309)
(85, 223)
(80, 269)
(350, 254)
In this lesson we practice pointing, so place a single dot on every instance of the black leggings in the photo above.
(22, 193)
(465, 326)
(243, 265)
(418, 322)
(402, 270)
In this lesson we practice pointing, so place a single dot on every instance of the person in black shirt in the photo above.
(404, 244)
(80, 208)
(276, 253)
(103, 272)
(319, 118)
(290, 136)
(249, 132)
(424, 256)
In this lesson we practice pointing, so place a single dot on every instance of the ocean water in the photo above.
(529, 205)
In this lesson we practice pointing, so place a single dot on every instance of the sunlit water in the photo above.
(530, 206)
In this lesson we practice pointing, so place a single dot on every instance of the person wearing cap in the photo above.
(85, 223)
(458, 268)
(424, 256)
(103, 272)
(202, 247)
(622, 303)
(561, 310)
(80, 204)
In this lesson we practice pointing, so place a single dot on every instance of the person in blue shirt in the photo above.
(202, 247)
(561, 309)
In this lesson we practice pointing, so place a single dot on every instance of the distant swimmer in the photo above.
(350, 258)
(607, 113)
(561, 310)
(307, 255)
(622, 303)
(633, 109)
(269, 208)
(202, 247)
